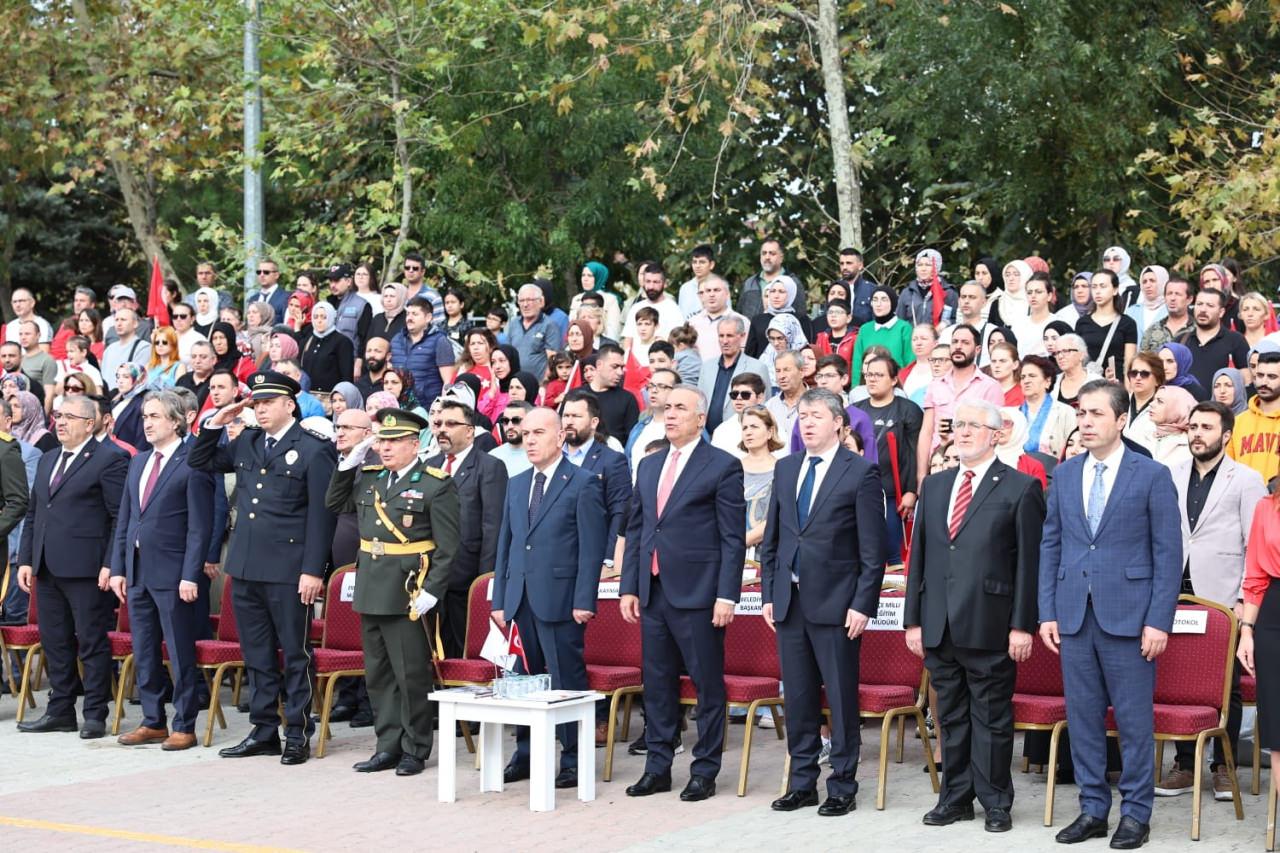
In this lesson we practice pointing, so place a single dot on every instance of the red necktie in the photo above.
(448, 464)
(156, 463)
(664, 492)
(963, 497)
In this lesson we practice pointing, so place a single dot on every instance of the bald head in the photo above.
(542, 436)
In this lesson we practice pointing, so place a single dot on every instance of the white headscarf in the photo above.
(1009, 450)
(1126, 280)
(212, 317)
(1013, 306)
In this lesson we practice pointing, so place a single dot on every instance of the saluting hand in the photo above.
(228, 413)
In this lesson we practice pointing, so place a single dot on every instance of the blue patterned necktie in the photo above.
(1097, 498)
(535, 500)
(806, 490)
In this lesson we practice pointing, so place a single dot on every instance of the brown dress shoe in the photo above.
(177, 741)
(602, 734)
(142, 735)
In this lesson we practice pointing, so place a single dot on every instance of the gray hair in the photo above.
(994, 418)
(739, 324)
(1075, 342)
(532, 288)
(823, 397)
(172, 407)
(188, 397)
(203, 344)
(88, 408)
(793, 355)
(697, 392)
(1117, 398)
(87, 291)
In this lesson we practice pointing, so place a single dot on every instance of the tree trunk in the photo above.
(139, 201)
(848, 184)
(406, 181)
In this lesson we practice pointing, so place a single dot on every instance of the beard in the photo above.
(513, 436)
(958, 360)
(1209, 452)
(574, 438)
(375, 364)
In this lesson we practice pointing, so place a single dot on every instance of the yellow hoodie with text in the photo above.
(1256, 440)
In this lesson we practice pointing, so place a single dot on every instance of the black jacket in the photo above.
(328, 360)
(482, 488)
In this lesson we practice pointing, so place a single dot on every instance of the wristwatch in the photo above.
(1244, 624)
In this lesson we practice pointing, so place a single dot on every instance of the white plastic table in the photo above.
(541, 718)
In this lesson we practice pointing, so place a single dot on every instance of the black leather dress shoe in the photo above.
(1082, 829)
(792, 800)
(998, 820)
(410, 765)
(49, 724)
(514, 773)
(249, 747)
(93, 729)
(361, 720)
(296, 752)
(836, 806)
(378, 762)
(947, 815)
(698, 789)
(567, 778)
(1130, 835)
(650, 783)
(341, 713)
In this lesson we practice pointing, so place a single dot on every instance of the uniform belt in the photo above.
(396, 549)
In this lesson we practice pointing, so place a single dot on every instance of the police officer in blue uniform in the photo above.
(276, 556)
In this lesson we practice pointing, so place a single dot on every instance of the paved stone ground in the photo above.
(60, 793)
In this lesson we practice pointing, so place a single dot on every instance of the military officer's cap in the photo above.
(397, 423)
(266, 384)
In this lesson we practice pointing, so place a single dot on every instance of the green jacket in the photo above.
(422, 505)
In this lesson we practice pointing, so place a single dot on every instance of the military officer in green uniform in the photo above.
(407, 514)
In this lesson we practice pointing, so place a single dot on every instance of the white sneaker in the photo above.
(679, 745)
(765, 721)
(824, 757)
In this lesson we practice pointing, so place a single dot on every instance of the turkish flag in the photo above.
(516, 647)
(634, 377)
(575, 378)
(156, 308)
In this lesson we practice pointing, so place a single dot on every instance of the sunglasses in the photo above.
(449, 424)
(77, 388)
(183, 316)
(741, 395)
(411, 267)
(267, 272)
(505, 420)
(1136, 374)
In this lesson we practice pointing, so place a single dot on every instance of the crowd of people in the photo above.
(670, 438)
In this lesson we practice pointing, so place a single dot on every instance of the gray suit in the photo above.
(746, 364)
(1215, 548)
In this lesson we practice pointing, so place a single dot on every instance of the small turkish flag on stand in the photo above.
(156, 308)
(516, 647)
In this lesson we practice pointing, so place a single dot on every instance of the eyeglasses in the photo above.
(348, 427)
(62, 416)
(659, 386)
(1139, 374)
(741, 395)
(504, 420)
(448, 424)
(1065, 350)
(267, 272)
(939, 359)
(827, 374)
(960, 426)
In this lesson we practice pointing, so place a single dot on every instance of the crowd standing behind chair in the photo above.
(1149, 405)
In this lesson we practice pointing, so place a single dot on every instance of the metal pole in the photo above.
(253, 215)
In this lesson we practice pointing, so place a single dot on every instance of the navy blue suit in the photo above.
(66, 539)
(279, 300)
(545, 570)
(838, 556)
(700, 540)
(156, 547)
(614, 473)
(1102, 589)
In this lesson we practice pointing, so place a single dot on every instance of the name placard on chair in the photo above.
(749, 604)
(889, 615)
(348, 591)
(1190, 621)
(608, 589)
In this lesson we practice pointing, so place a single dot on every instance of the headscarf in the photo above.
(1086, 307)
(350, 394)
(1223, 275)
(306, 301)
(32, 427)
(601, 273)
(459, 392)
(588, 340)
(790, 327)
(1178, 404)
(232, 358)
(268, 313)
(1238, 402)
(1126, 280)
(18, 379)
(288, 346)
(138, 371)
(1037, 264)
(893, 302)
(513, 356)
(1262, 346)
(1182, 358)
(993, 269)
(402, 296)
(789, 285)
(471, 381)
(1013, 306)
(1009, 450)
(330, 313)
(935, 283)
(212, 317)
(1162, 278)
(1062, 327)
(530, 386)
(381, 400)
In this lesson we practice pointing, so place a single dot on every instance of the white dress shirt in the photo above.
(548, 470)
(279, 435)
(159, 458)
(819, 475)
(686, 450)
(979, 472)
(457, 458)
(1108, 476)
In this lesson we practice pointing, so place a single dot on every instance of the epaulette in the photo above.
(4, 436)
(438, 473)
(309, 431)
(371, 468)
(253, 427)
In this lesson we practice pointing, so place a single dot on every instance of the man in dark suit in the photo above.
(162, 535)
(482, 488)
(821, 561)
(269, 289)
(277, 554)
(548, 572)
(1110, 573)
(681, 578)
(971, 611)
(66, 542)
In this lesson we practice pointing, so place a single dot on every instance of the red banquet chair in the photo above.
(470, 669)
(1039, 704)
(612, 651)
(1193, 692)
(216, 657)
(340, 653)
(752, 679)
(15, 639)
